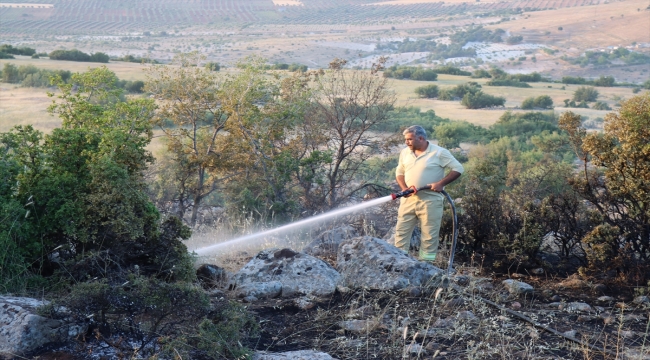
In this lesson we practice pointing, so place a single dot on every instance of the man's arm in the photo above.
(401, 182)
(440, 185)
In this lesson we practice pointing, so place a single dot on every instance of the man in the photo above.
(423, 164)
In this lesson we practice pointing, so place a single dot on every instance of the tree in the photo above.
(84, 186)
(427, 91)
(192, 116)
(586, 94)
(347, 106)
(540, 102)
(617, 185)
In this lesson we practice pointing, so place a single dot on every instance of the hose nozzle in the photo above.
(408, 191)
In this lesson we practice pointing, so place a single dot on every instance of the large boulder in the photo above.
(294, 273)
(22, 330)
(326, 245)
(293, 355)
(372, 263)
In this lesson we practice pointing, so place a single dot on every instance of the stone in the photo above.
(211, 276)
(413, 291)
(572, 282)
(415, 349)
(358, 326)
(22, 330)
(547, 293)
(443, 323)
(326, 245)
(641, 300)
(461, 280)
(538, 271)
(577, 306)
(570, 333)
(515, 305)
(466, 316)
(556, 298)
(515, 287)
(293, 355)
(606, 299)
(599, 288)
(585, 318)
(627, 334)
(455, 302)
(284, 273)
(371, 263)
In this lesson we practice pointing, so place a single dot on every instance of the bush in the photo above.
(451, 70)
(515, 39)
(606, 81)
(8, 49)
(481, 73)
(427, 91)
(585, 94)
(540, 102)
(6, 56)
(507, 82)
(601, 105)
(76, 55)
(574, 80)
(459, 91)
(481, 100)
(409, 72)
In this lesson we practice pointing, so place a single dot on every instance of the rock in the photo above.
(292, 355)
(361, 312)
(599, 288)
(304, 303)
(641, 300)
(555, 305)
(608, 319)
(415, 349)
(636, 354)
(413, 291)
(606, 299)
(547, 293)
(570, 333)
(515, 305)
(577, 306)
(285, 273)
(515, 287)
(22, 330)
(260, 290)
(461, 280)
(556, 298)
(572, 282)
(432, 346)
(326, 245)
(443, 323)
(627, 334)
(538, 271)
(485, 287)
(466, 316)
(415, 238)
(211, 276)
(585, 318)
(371, 263)
(358, 326)
(455, 302)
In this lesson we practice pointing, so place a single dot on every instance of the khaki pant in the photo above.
(426, 207)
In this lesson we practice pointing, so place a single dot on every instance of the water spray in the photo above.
(315, 219)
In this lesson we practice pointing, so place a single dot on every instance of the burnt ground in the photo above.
(457, 324)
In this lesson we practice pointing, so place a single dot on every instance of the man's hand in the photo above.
(437, 187)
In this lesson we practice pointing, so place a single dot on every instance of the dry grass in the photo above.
(514, 97)
(25, 106)
(123, 70)
(616, 23)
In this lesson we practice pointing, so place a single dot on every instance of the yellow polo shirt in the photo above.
(427, 168)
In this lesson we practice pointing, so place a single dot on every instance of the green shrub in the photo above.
(585, 94)
(606, 81)
(9, 49)
(409, 72)
(459, 91)
(600, 105)
(451, 70)
(481, 73)
(540, 102)
(507, 82)
(76, 55)
(427, 91)
(6, 56)
(481, 100)
(515, 39)
(221, 336)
